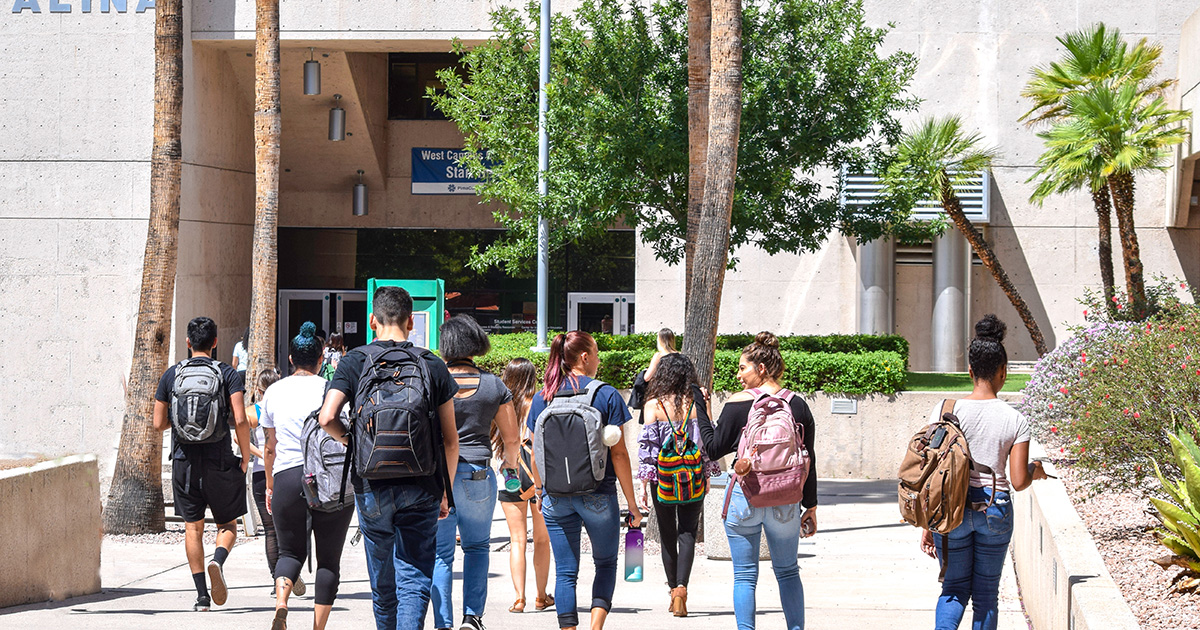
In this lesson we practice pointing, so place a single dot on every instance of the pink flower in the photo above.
(1172, 346)
(1063, 390)
(1126, 411)
(1116, 298)
(1137, 415)
(1081, 450)
(1051, 405)
(1107, 396)
(1088, 414)
(1085, 313)
(1054, 429)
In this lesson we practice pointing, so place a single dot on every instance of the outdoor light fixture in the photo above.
(337, 121)
(360, 197)
(312, 75)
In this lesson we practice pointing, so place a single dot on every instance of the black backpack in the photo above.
(568, 445)
(199, 408)
(395, 431)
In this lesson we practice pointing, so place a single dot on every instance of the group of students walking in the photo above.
(413, 437)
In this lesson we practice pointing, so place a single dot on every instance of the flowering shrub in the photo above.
(1109, 395)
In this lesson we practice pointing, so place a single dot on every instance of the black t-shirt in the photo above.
(345, 380)
(723, 439)
(231, 381)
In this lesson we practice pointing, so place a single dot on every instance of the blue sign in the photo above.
(438, 172)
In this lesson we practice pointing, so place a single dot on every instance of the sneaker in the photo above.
(217, 576)
(472, 622)
(201, 604)
(280, 622)
(298, 587)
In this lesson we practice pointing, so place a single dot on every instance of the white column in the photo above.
(876, 287)
(948, 328)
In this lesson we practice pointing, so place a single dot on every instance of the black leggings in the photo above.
(292, 524)
(260, 499)
(678, 524)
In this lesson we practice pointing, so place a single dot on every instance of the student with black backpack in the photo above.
(579, 454)
(198, 399)
(403, 441)
(291, 490)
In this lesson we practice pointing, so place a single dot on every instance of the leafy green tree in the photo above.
(930, 159)
(1096, 58)
(817, 95)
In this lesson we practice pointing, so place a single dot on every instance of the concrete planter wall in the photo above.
(1064, 582)
(50, 531)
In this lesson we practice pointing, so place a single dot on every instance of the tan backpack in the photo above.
(935, 477)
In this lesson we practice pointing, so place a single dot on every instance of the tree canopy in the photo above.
(818, 96)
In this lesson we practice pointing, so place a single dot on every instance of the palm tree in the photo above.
(929, 160)
(1062, 170)
(1124, 132)
(711, 255)
(268, 121)
(1095, 56)
(135, 500)
(699, 14)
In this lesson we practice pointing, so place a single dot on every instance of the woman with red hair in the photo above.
(571, 373)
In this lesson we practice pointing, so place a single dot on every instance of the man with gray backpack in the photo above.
(403, 442)
(197, 400)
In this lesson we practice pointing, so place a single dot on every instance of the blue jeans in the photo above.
(744, 525)
(977, 551)
(399, 524)
(471, 517)
(601, 516)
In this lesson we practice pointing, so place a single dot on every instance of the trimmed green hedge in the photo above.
(834, 372)
(852, 344)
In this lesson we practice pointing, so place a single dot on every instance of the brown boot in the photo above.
(671, 594)
(679, 601)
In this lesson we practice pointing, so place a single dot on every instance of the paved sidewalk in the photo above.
(862, 570)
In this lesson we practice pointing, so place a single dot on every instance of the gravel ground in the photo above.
(1122, 531)
(173, 535)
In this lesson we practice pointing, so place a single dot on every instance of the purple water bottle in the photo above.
(634, 553)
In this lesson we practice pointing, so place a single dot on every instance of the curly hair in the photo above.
(987, 354)
(673, 381)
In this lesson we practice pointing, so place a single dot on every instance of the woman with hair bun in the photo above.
(996, 433)
(285, 407)
(759, 370)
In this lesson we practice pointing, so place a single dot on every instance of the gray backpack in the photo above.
(568, 443)
(199, 408)
(325, 465)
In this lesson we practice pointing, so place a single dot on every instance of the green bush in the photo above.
(852, 344)
(863, 373)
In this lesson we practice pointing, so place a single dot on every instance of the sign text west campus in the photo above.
(437, 172)
(85, 6)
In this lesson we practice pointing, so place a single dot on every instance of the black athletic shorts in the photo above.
(214, 481)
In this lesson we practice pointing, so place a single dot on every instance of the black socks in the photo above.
(201, 585)
(220, 555)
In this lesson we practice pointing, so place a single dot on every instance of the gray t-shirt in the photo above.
(992, 428)
(482, 395)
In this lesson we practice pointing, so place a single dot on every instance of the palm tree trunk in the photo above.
(268, 121)
(1103, 203)
(699, 66)
(135, 500)
(1121, 185)
(953, 208)
(712, 234)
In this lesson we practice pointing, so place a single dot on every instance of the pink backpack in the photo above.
(772, 443)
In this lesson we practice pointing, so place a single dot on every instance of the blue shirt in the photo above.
(611, 407)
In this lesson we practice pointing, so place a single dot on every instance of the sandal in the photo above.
(543, 604)
(518, 606)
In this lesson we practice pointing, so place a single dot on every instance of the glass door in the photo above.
(296, 307)
(352, 318)
(609, 313)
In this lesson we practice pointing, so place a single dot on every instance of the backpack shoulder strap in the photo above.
(592, 388)
(947, 407)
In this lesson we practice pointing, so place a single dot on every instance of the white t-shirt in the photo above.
(992, 428)
(243, 357)
(285, 406)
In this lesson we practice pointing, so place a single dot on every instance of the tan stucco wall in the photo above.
(50, 517)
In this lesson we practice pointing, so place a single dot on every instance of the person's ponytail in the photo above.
(565, 353)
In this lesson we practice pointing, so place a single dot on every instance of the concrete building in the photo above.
(75, 137)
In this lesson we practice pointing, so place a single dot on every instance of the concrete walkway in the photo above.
(862, 570)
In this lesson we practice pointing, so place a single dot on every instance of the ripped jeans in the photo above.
(565, 516)
(744, 525)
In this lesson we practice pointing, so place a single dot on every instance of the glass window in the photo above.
(409, 76)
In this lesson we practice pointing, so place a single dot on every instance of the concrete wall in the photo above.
(975, 57)
(75, 138)
(1064, 582)
(50, 516)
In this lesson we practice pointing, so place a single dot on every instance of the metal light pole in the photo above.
(543, 250)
